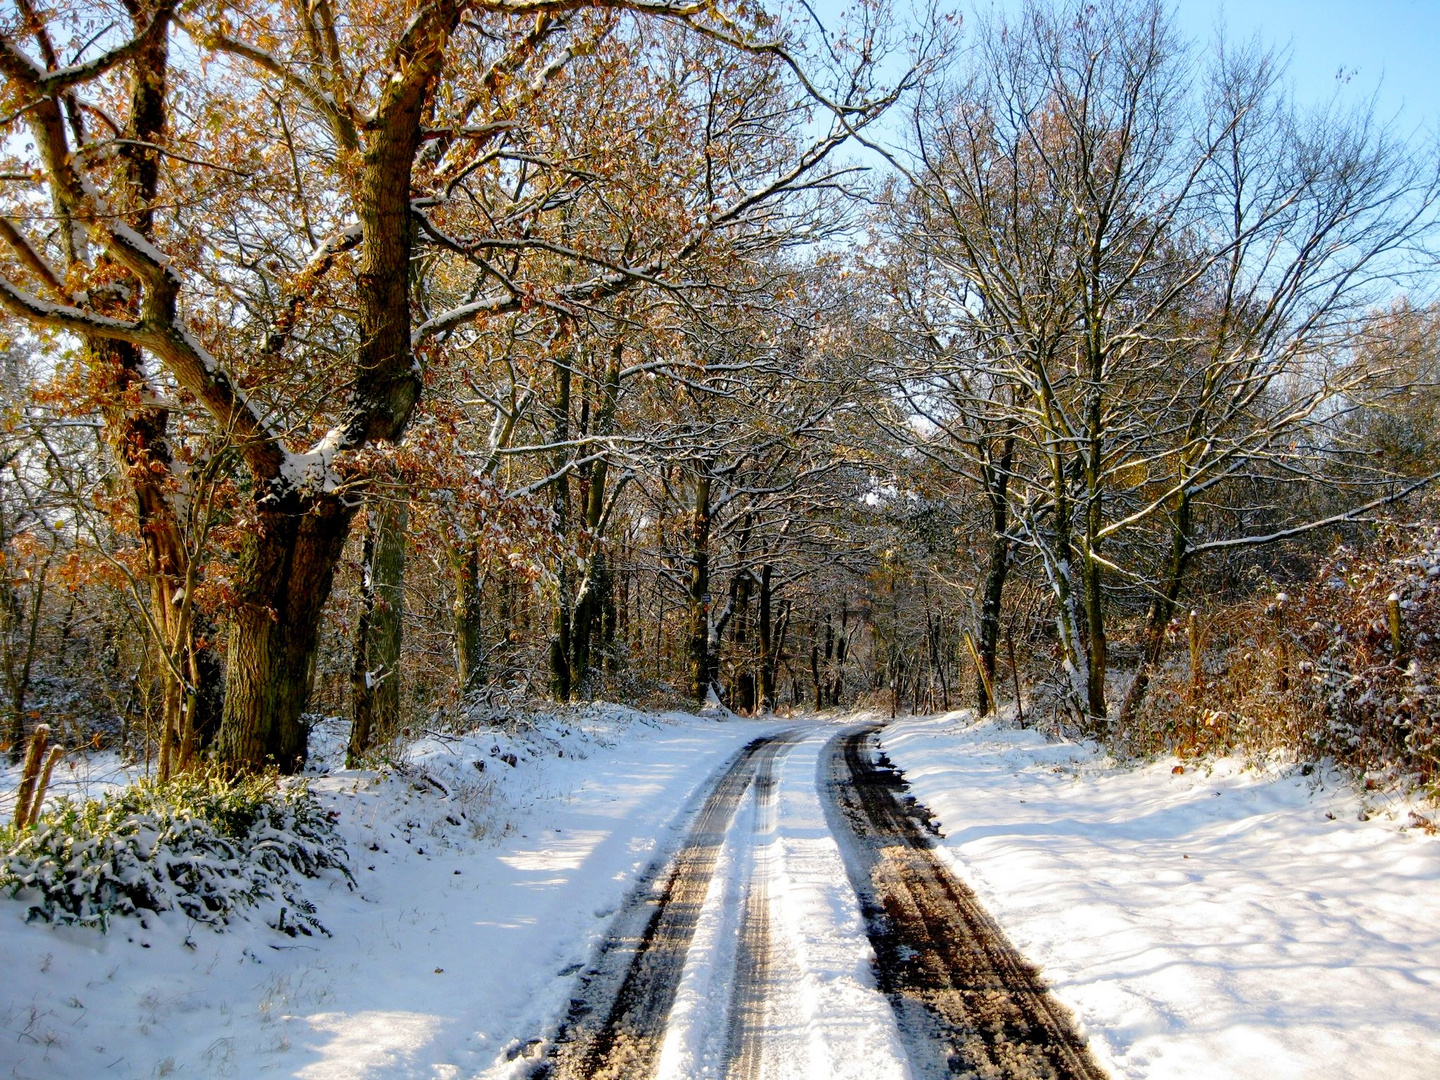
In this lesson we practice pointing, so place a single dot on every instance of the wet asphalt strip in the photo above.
(966, 1001)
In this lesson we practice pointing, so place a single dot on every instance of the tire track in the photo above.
(966, 1001)
(753, 958)
(616, 1022)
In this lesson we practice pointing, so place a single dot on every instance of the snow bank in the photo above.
(486, 867)
(1215, 922)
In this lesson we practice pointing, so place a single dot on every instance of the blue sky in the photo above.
(1389, 45)
(1386, 47)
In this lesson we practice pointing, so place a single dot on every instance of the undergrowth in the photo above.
(1314, 671)
(212, 848)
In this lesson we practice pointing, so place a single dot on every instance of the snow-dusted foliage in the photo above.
(209, 848)
(1378, 706)
(1315, 670)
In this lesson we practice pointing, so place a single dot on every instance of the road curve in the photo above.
(966, 1002)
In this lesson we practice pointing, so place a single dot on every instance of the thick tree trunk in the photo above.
(285, 571)
(375, 678)
(288, 562)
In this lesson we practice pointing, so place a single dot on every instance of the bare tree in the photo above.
(1148, 273)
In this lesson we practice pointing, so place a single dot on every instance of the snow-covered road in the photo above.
(774, 977)
(1213, 923)
(955, 998)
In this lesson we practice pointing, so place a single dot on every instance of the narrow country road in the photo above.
(805, 928)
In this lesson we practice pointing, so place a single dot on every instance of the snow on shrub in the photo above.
(1377, 707)
(210, 848)
(1316, 672)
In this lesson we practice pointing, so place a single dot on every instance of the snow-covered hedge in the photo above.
(205, 846)
(1377, 708)
(1314, 670)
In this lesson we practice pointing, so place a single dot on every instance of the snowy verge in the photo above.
(1213, 922)
(214, 849)
(486, 868)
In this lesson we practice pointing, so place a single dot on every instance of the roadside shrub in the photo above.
(1316, 672)
(1375, 707)
(209, 847)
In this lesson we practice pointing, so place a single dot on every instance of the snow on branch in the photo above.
(15, 63)
(1353, 514)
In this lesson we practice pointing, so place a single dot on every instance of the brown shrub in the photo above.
(1316, 672)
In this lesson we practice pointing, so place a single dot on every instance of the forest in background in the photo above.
(409, 361)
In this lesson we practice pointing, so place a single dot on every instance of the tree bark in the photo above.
(285, 571)
(765, 630)
(1160, 612)
(595, 603)
(815, 675)
(18, 668)
(701, 675)
(1059, 555)
(1097, 357)
(744, 692)
(560, 644)
(995, 475)
(467, 611)
(375, 677)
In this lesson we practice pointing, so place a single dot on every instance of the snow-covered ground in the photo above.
(474, 907)
(1214, 923)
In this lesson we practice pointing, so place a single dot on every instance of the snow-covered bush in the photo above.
(1375, 707)
(210, 848)
(1314, 670)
